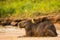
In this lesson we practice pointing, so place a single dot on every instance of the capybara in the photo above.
(43, 29)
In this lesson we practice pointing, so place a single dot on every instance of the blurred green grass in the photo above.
(28, 8)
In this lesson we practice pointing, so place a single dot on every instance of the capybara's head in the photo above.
(25, 23)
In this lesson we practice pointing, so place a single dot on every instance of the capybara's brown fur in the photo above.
(43, 29)
(45, 24)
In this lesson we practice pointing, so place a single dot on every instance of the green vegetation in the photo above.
(28, 8)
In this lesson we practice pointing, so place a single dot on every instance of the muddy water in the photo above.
(11, 31)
